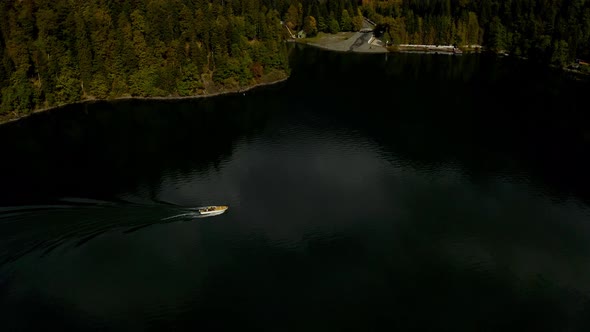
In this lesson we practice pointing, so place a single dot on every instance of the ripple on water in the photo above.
(41, 229)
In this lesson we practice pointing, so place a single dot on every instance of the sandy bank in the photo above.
(344, 42)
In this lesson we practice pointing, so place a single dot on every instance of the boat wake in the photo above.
(69, 223)
(189, 215)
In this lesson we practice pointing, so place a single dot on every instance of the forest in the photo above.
(62, 51)
(548, 31)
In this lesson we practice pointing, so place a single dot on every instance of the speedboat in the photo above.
(212, 210)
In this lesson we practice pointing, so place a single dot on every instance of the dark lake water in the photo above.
(367, 193)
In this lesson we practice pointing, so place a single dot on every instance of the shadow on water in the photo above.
(107, 150)
(376, 194)
(491, 116)
(115, 155)
(307, 288)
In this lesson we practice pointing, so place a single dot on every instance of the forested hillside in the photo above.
(61, 51)
(551, 31)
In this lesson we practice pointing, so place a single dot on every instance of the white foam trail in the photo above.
(192, 214)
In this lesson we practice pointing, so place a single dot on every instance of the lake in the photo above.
(401, 192)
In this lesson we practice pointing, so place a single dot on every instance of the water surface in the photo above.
(369, 192)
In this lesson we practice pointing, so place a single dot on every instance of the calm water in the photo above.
(407, 193)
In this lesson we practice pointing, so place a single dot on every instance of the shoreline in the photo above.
(351, 44)
(8, 119)
(334, 49)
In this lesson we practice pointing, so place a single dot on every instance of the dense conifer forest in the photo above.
(61, 51)
(550, 31)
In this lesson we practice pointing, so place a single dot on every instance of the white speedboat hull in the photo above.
(209, 211)
(212, 213)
